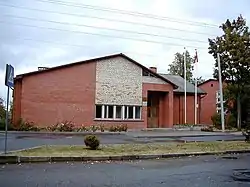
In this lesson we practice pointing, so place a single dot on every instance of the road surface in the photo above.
(206, 171)
(26, 140)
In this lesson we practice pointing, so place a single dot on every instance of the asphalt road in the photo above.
(206, 171)
(27, 140)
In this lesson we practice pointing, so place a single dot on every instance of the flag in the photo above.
(195, 56)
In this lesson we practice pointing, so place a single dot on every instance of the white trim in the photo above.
(123, 113)
(114, 112)
(107, 111)
(133, 112)
(103, 111)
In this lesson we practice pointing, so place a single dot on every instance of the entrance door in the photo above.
(153, 110)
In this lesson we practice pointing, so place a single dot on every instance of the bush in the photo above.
(94, 128)
(124, 127)
(26, 126)
(207, 129)
(247, 135)
(92, 142)
(118, 128)
(231, 121)
(65, 126)
(2, 124)
(102, 128)
(113, 128)
(216, 120)
(81, 129)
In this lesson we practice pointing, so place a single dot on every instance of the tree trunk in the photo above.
(238, 112)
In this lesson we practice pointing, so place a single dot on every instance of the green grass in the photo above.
(134, 149)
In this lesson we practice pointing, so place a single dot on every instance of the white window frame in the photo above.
(124, 108)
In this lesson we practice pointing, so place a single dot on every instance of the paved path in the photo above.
(206, 171)
(27, 140)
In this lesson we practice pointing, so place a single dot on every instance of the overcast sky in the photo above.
(50, 33)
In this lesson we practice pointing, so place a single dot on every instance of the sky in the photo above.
(49, 33)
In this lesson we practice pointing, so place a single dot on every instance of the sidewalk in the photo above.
(146, 133)
(178, 133)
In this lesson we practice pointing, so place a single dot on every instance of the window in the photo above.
(110, 112)
(98, 111)
(147, 73)
(212, 85)
(137, 112)
(113, 112)
(118, 112)
(130, 112)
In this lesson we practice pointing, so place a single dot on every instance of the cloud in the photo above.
(26, 48)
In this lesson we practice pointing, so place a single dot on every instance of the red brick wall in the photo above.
(209, 101)
(16, 115)
(58, 95)
(179, 109)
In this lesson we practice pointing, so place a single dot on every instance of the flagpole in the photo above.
(221, 95)
(195, 100)
(185, 87)
(195, 85)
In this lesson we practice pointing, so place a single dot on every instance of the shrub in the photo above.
(124, 127)
(247, 135)
(26, 126)
(65, 126)
(102, 128)
(92, 142)
(216, 120)
(81, 129)
(94, 128)
(231, 121)
(113, 128)
(207, 129)
(2, 124)
(118, 128)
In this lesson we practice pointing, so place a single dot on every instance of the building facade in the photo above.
(108, 90)
(210, 101)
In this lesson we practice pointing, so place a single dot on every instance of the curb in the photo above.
(5, 159)
(187, 136)
(62, 133)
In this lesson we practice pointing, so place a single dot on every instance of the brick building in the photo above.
(210, 101)
(108, 90)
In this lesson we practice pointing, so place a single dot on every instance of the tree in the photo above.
(234, 49)
(199, 80)
(2, 109)
(177, 66)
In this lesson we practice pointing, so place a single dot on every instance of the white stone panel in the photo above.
(118, 82)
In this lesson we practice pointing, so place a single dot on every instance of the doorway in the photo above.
(153, 109)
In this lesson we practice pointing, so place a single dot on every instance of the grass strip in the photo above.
(134, 149)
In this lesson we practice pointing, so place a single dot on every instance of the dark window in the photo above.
(212, 85)
(145, 73)
(137, 112)
(126, 112)
(98, 111)
(130, 112)
(110, 111)
(105, 111)
(118, 112)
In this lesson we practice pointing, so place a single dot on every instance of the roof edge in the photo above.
(206, 81)
(20, 76)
